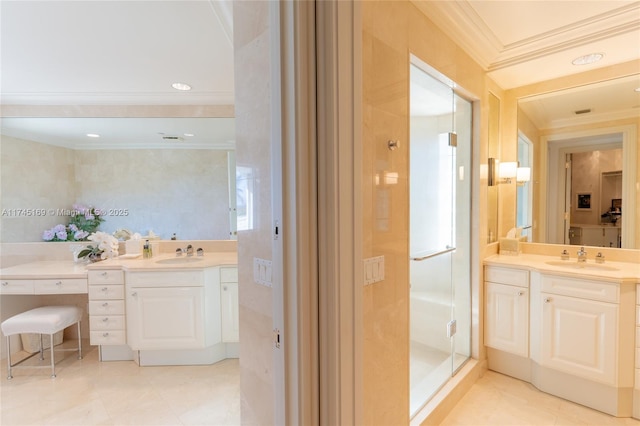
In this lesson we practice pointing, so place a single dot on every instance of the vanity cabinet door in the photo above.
(507, 318)
(165, 318)
(579, 337)
(229, 311)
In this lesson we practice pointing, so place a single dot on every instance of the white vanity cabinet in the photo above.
(229, 304)
(579, 327)
(507, 310)
(172, 310)
(106, 307)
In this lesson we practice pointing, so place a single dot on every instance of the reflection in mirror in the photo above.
(160, 175)
(572, 132)
(493, 153)
(524, 194)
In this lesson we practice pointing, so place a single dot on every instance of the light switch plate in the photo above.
(262, 271)
(373, 270)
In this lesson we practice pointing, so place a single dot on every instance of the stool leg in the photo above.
(53, 363)
(41, 348)
(79, 342)
(9, 376)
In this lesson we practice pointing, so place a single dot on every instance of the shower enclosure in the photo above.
(440, 234)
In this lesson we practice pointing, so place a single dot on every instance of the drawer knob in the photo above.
(105, 334)
(134, 294)
(104, 274)
(547, 299)
(521, 293)
(105, 289)
(105, 304)
(59, 283)
(105, 319)
(5, 283)
(224, 288)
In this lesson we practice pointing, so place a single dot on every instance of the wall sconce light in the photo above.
(507, 171)
(523, 174)
(498, 172)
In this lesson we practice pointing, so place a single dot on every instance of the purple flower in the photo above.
(59, 228)
(79, 235)
(62, 235)
(73, 227)
(48, 235)
(88, 215)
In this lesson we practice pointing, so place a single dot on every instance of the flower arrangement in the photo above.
(84, 221)
(106, 246)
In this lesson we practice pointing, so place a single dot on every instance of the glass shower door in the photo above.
(440, 309)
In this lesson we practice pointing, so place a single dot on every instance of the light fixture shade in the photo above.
(507, 170)
(523, 174)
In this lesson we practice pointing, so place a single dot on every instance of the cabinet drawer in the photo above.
(111, 337)
(106, 277)
(163, 279)
(106, 292)
(583, 289)
(106, 307)
(62, 286)
(106, 322)
(509, 276)
(17, 287)
(229, 275)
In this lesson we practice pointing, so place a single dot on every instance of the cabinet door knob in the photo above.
(105, 334)
(105, 289)
(105, 304)
(521, 293)
(547, 299)
(59, 283)
(135, 293)
(224, 288)
(105, 319)
(5, 283)
(104, 274)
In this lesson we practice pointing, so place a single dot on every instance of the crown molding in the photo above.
(123, 98)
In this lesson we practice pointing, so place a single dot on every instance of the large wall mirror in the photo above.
(582, 143)
(163, 175)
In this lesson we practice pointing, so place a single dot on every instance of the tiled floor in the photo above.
(88, 392)
(497, 400)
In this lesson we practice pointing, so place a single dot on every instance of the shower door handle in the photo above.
(449, 249)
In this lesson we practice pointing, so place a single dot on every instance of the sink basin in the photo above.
(572, 264)
(179, 260)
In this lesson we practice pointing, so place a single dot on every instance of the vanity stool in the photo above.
(44, 320)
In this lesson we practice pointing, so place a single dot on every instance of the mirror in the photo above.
(493, 152)
(573, 133)
(166, 175)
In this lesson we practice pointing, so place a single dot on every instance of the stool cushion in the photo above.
(44, 320)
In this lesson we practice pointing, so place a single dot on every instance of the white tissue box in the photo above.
(133, 246)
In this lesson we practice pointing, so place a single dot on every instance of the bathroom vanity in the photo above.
(166, 310)
(567, 328)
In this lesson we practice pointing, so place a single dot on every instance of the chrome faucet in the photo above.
(582, 255)
(188, 251)
(599, 257)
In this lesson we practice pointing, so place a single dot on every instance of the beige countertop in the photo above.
(52, 269)
(627, 272)
(165, 262)
(45, 269)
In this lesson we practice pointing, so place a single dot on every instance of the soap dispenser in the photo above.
(146, 250)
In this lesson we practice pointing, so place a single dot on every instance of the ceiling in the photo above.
(130, 52)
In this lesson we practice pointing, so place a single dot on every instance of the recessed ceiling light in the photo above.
(181, 86)
(189, 135)
(637, 89)
(93, 135)
(588, 59)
